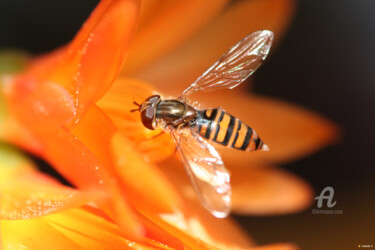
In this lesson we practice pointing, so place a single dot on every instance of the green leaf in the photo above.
(12, 161)
(12, 61)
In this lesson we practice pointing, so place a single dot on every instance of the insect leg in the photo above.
(155, 136)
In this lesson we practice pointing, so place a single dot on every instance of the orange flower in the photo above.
(69, 108)
(56, 215)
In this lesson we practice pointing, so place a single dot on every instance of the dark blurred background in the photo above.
(326, 63)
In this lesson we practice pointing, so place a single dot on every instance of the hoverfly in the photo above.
(192, 129)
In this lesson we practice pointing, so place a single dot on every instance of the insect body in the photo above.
(218, 126)
(192, 129)
(215, 125)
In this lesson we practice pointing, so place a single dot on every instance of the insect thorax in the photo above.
(175, 113)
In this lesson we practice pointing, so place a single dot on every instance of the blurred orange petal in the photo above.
(257, 190)
(291, 132)
(118, 102)
(170, 24)
(79, 165)
(74, 160)
(189, 241)
(25, 193)
(65, 82)
(13, 131)
(91, 62)
(95, 131)
(196, 220)
(155, 232)
(140, 178)
(90, 231)
(78, 228)
(178, 69)
(25, 234)
(264, 191)
(32, 195)
(106, 150)
(34, 102)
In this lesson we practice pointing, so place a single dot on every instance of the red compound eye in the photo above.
(147, 117)
(153, 98)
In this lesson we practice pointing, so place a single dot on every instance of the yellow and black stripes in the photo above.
(218, 126)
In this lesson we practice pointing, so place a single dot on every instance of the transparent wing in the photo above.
(238, 63)
(208, 176)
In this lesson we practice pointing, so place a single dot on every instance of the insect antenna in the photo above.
(137, 104)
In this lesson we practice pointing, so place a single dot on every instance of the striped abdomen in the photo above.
(218, 126)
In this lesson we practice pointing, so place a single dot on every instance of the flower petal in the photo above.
(39, 105)
(105, 49)
(189, 241)
(90, 231)
(290, 131)
(11, 130)
(178, 69)
(196, 220)
(140, 178)
(118, 102)
(26, 193)
(264, 191)
(26, 234)
(155, 232)
(91, 62)
(64, 83)
(78, 228)
(95, 132)
(82, 156)
(34, 195)
(172, 23)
